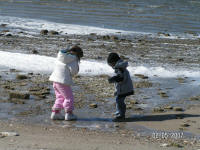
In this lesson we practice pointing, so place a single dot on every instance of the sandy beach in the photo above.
(44, 137)
(36, 136)
(163, 113)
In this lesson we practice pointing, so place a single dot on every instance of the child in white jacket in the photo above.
(67, 65)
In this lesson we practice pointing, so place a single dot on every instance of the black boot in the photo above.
(119, 118)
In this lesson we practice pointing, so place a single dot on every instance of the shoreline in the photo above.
(36, 136)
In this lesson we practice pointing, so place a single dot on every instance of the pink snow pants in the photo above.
(64, 97)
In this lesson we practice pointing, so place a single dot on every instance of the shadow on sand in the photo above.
(138, 118)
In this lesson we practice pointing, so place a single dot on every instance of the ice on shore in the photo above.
(45, 64)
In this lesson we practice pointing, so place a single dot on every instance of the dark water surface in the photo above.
(174, 16)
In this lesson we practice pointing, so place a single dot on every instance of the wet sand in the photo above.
(160, 106)
(53, 138)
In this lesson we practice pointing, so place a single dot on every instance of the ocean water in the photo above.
(177, 17)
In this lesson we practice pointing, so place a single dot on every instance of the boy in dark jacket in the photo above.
(123, 84)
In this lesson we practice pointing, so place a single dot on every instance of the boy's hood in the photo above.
(121, 64)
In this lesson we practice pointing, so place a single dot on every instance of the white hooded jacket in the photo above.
(66, 66)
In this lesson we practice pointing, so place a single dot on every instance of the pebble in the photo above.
(185, 142)
(176, 145)
(8, 134)
(195, 98)
(133, 102)
(181, 80)
(13, 70)
(158, 109)
(164, 145)
(106, 37)
(21, 77)
(44, 32)
(114, 38)
(178, 109)
(3, 25)
(53, 32)
(93, 105)
(168, 107)
(141, 76)
(35, 52)
(129, 107)
(138, 109)
(143, 84)
(163, 95)
(116, 126)
(5, 31)
(180, 59)
(97, 126)
(9, 34)
(19, 95)
(185, 125)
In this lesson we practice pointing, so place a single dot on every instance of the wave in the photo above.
(34, 26)
(44, 65)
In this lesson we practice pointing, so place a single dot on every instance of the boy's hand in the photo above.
(116, 78)
(110, 79)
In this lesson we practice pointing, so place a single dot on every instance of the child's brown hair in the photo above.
(77, 50)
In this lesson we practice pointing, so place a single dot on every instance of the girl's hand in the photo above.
(65, 50)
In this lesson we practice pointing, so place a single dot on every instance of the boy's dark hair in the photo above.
(78, 50)
(113, 57)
